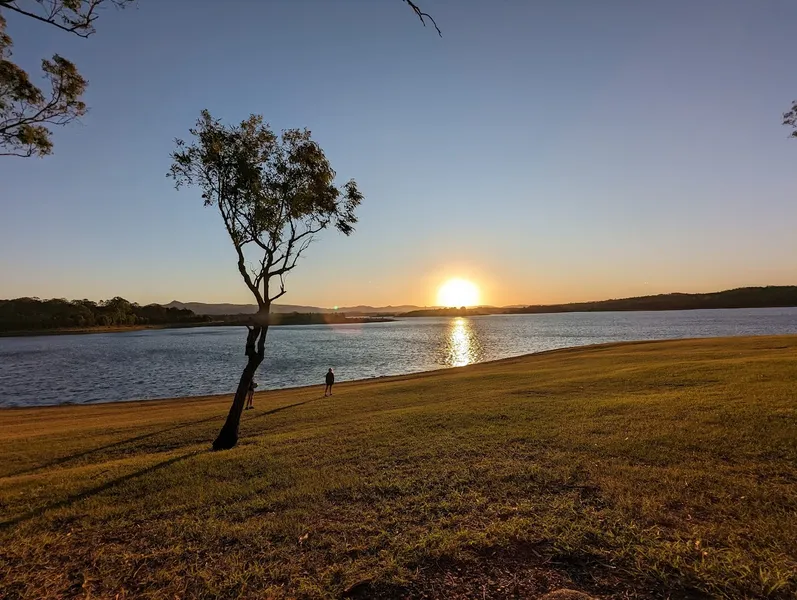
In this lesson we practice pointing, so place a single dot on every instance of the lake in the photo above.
(169, 363)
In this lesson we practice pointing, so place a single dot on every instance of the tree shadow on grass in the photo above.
(138, 438)
(253, 434)
(278, 409)
(69, 500)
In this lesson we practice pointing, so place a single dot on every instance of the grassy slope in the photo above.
(628, 470)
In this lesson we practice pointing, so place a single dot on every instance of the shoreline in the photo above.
(400, 377)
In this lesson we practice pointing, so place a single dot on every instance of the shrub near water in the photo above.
(634, 470)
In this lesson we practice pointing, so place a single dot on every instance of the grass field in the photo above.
(664, 469)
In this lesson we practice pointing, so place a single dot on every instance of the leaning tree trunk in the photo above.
(255, 351)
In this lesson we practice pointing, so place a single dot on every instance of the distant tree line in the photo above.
(33, 314)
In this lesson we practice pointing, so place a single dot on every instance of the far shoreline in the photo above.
(110, 329)
(154, 316)
(359, 320)
(133, 328)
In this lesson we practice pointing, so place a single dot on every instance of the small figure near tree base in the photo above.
(250, 396)
(330, 380)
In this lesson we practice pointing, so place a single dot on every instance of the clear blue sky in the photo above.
(549, 151)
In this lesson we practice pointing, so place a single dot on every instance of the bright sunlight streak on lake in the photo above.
(463, 346)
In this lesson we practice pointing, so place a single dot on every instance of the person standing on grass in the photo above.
(250, 395)
(330, 379)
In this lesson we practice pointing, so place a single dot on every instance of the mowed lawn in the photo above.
(662, 469)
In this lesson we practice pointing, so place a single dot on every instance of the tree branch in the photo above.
(75, 28)
(423, 16)
(241, 261)
(66, 16)
(307, 236)
(287, 268)
(27, 154)
(280, 295)
(247, 279)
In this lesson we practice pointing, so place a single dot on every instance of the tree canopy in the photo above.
(28, 112)
(274, 194)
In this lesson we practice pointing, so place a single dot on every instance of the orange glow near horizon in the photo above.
(458, 292)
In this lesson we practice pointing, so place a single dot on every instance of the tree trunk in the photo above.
(255, 352)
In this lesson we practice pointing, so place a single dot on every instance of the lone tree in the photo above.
(27, 113)
(274, 194)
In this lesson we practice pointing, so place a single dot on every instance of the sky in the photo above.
(547, 151)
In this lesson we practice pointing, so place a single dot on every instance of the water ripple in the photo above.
(83, 369)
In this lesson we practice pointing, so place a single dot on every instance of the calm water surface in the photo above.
(190, 362)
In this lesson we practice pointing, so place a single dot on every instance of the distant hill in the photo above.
(474, 311)
(365, 310)
(201, 308)
(749, 297)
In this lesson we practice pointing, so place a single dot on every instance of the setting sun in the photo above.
(458, 292)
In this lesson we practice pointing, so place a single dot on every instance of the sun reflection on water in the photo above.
(463, 347)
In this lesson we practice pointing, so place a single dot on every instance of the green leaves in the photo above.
(27, 112)
(274, 192)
